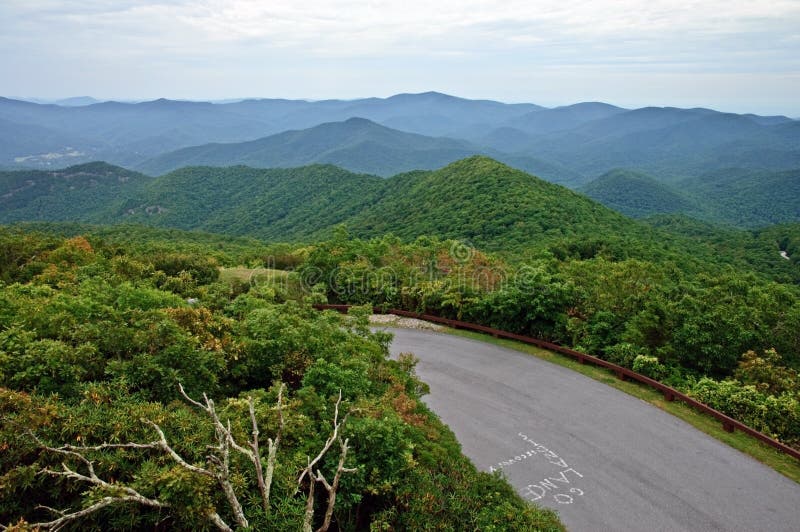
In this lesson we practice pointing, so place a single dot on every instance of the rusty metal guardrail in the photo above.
(670, 394)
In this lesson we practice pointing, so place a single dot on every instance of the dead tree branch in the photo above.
(218, 465)
(333, 488)
(220, 462)
(127, 494)
(313, 477)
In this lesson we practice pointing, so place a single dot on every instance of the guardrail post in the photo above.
(620, 374)
(669, 396)
(728, 426)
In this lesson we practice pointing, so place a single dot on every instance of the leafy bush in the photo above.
(649, 366)
(94, 347)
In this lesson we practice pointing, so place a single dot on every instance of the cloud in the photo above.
(372, 28)
(655, 36)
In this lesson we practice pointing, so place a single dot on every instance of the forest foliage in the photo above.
(96, 341)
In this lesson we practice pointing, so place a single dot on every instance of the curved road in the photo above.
(603, 459)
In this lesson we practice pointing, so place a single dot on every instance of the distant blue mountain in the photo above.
(570, 144)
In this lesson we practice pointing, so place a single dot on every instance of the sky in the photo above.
(732, 55)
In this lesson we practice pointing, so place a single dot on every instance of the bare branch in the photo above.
(68, 518)
(54, 510)
(129, 494)
(217, 520)
(104, 446)
(265, 483)
(192, 401)
(313, 477)
(162, 443)
(332, 489)
(221, 462)
(332, 438)
(309, 514)
(232, 442)
(218, 466)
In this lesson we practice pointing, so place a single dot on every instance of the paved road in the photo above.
(605, 460)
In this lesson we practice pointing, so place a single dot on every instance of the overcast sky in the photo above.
(732, 55)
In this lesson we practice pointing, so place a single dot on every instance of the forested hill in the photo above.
(570, 145)
(735, 196)
(638, 195)
(76, 193)
(477, 199)
(672, 144)
(487, 203)
(748, 198)
(273, 204)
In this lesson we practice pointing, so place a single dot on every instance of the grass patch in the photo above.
(283, 282)
(251, 275)
(782, 463)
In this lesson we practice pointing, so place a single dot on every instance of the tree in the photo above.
(218, 468)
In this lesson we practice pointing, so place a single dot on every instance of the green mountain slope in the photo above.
(485, 202)
(734, 196)
(274, 204)
(131, 133)
(477, 199)
(748, 198)
(78, 193)
(638, 195)
(565, 117)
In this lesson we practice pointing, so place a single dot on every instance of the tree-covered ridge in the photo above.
(638, 195)
(489, 203)
(131, 133)
(672, 144)
(357, 144)
(75, 193)
(569, 145)
(105, 354)
(269, 203)
(274, 204)
(589, 138)
(475, 198)
(748, 198)
(733, 196)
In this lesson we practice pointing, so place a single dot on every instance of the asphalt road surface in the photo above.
(603, 459)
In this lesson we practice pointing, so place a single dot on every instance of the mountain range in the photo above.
(586, 138)
(356, 144)
(699, 162)
(477, 199)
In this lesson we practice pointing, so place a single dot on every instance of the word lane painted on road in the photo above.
(560, 485)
